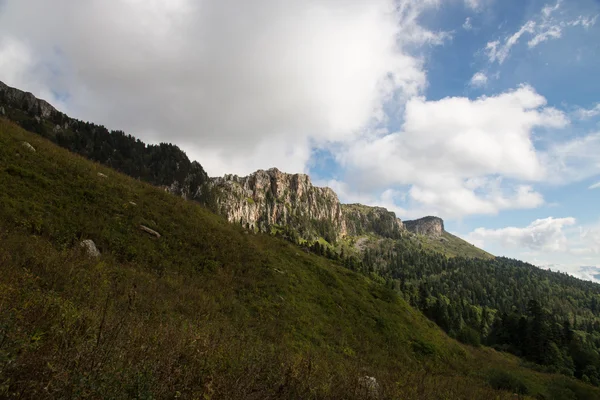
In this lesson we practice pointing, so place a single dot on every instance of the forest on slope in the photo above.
(549, 318)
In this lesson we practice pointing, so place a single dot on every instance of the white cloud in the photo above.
(480, 79)
(459, 156)
(467, 26)
(573, 160)
(551, 32)
(542, 27)
(388, 198)
(586, 22)
(556, 243)
(583, 113)
(595, 186)
(542, 234)
(496, 51)
(233, 80)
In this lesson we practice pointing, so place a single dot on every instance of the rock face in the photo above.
(430, 226)
(27, 101)
(271, 199)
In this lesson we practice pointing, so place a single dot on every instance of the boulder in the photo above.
(90, 248)
(101, 175)
(29, 147)
(150, 231)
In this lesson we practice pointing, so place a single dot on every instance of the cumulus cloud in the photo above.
(232, 80)
(542, 234)
(479, 79)
(542, 28)
(459, 156)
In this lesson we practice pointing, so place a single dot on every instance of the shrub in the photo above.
(503, 380)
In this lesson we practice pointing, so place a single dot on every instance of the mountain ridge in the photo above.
(265, 200)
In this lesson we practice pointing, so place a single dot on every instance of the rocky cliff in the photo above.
(271, 199)
(430, 226)
(266, 200)
(25, 101)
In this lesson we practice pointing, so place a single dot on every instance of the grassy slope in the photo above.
(206, 311)
(452, 246)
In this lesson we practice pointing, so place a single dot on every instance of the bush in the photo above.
(503, 380)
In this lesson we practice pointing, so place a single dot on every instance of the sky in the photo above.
(485, 113)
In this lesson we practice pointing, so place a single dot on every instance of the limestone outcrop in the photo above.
(430, 226)
(273, 200)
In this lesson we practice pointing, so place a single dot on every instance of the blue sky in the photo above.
(483, 112)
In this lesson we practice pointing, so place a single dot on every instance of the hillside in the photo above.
(206, 310)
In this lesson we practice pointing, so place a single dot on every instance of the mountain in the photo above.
(266, 201)
(179, 303)
(551, 320)
(269, 200)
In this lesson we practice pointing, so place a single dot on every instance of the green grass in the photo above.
(452, 246)
(207, 311)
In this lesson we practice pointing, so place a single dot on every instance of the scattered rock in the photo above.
(101, 175)
(132, 203)
(90, 248)
(150, 231)
(369, 387)
(56, 129)
(29, 147)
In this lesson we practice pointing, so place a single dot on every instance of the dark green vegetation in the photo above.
(205, 311)
(549, 318)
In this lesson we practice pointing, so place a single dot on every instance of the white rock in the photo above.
(101, 175)
(90, 248)
(150, 231)
(29, 147)
(369, 387)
